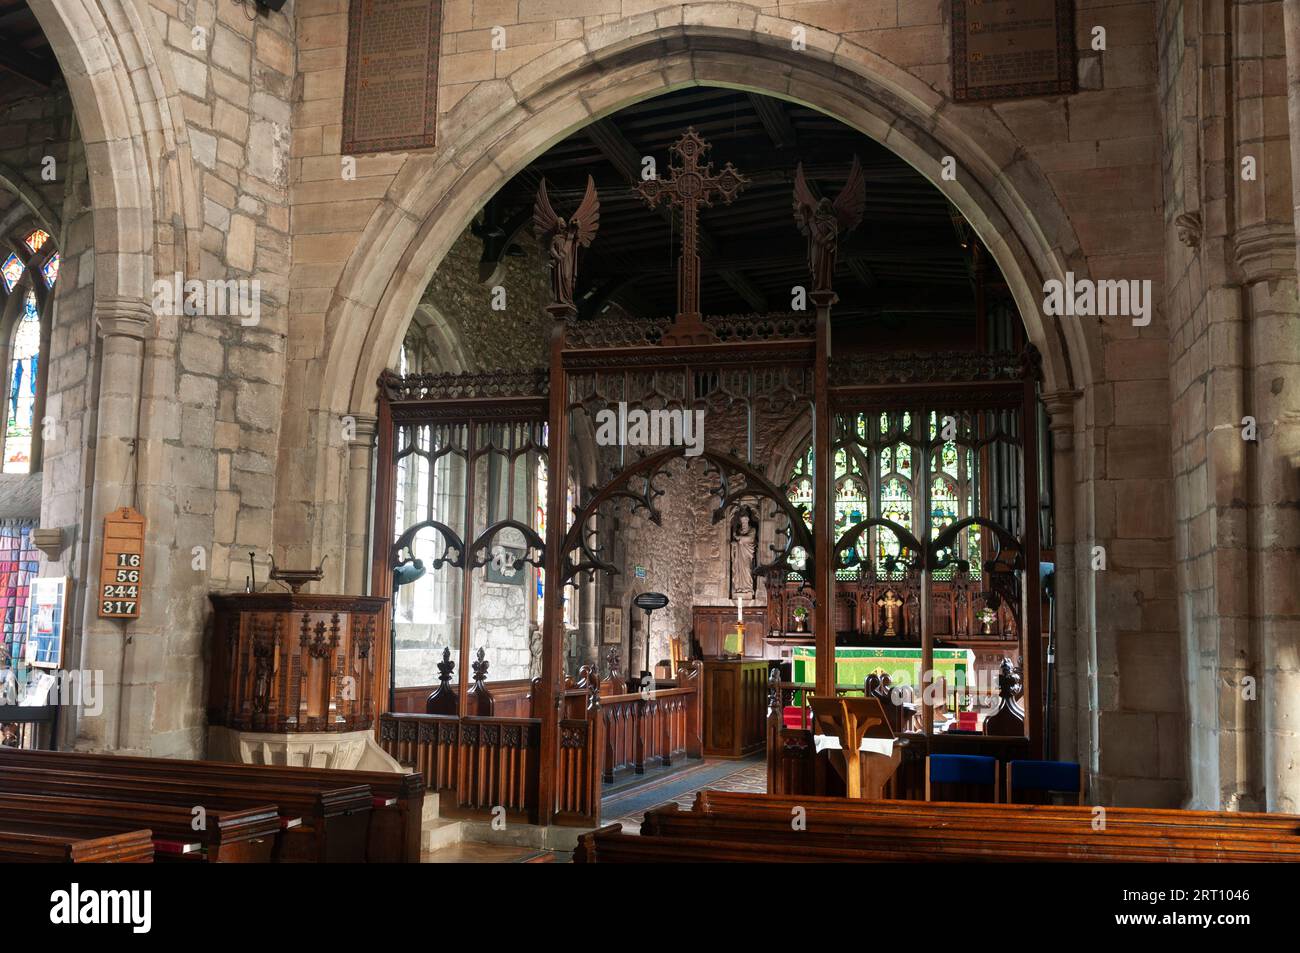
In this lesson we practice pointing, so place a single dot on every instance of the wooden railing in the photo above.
(643, 727)
(478, 765)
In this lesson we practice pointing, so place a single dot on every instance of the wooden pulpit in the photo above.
(850, 720)
(289, 662)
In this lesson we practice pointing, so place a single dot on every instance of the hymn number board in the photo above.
(121, 573)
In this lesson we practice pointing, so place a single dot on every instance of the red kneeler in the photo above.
(792, 716)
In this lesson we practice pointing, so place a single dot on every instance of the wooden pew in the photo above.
(843, 829)
(334, 820)
(398, 799)
(26, 847)
(1279, 825)
(971, 839)
(244, 836)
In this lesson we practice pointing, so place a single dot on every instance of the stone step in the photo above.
(441, 833)
(552, 837)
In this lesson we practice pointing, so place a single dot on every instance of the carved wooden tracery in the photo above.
(763, 364)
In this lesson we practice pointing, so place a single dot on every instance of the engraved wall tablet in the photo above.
(390, 97)
(1005, 50)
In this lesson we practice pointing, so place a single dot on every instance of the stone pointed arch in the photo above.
(503, 125)
(144, 197)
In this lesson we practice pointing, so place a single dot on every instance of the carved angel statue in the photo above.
(824, 221)
(561, 237)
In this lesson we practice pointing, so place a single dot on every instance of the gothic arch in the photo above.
(129, 120)
(500, 127)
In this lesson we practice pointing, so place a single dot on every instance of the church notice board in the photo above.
(121, 571)
(390, 93)
(1005, 49)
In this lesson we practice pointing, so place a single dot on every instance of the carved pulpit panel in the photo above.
(286, 662)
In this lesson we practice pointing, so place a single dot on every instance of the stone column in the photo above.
(1067, 742)
(1266, 257)
(123, 326)
(1291, 31)
(361, 452)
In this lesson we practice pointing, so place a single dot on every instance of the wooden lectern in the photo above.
(850, 720)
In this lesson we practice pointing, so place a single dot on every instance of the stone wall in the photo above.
(234, 439)
(1235, 354)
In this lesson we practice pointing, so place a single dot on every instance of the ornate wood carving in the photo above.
(824, 221)
(691, 183)
(562, 238)
(286, 662)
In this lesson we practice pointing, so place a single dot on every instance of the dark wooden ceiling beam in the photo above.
(777, 125)
(627, 160)
(14, 59)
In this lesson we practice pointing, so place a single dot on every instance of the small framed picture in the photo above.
(46, 614)
(612, 629)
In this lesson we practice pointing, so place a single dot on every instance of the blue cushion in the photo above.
(962, 769)
(1045, 775)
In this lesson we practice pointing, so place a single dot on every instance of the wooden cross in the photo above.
(690, 184)
(890, 603)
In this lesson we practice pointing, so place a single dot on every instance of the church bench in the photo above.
(969, 839)
(320, 825)
(1274, 825)
(398, 799)
(242, 836)
(724, 840)
(33, 847)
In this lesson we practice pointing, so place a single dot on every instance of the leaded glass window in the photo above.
(21, 394)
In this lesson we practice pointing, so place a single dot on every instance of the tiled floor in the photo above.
(749, 776)
(626, 806)
(471, 853)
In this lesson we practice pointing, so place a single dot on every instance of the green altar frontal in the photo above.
(902, 665)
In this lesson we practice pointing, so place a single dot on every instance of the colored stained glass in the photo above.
(21, 393)
(11, 271)
(50, 270)
(18, 565)
(37, 239)
(539, 524)
(895, 506)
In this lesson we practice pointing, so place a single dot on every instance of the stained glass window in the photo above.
(851, 508)
(943, 508)
(21, 394)
(11, 271)
(18, 565)
(37, 239)
(539, 524)
(50, 270)
(895, 506)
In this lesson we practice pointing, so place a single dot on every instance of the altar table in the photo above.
(902, 665)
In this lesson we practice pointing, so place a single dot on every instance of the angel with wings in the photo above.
(824, 221)
(562, 237)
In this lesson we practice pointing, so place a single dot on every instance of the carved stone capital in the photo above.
(1288, 431)
(123, 317)
(1266, 252)
(1060, 409)
(364, 430)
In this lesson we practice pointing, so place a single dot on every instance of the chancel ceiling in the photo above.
(905, 272)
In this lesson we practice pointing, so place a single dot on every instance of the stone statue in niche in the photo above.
(744, 553)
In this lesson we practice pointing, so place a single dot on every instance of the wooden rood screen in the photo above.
(961, 424)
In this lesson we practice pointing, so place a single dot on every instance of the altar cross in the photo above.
(890, 603)
(690, 184)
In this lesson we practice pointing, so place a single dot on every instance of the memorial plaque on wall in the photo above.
(121, 571)
(390, 96)
(1004, 49)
